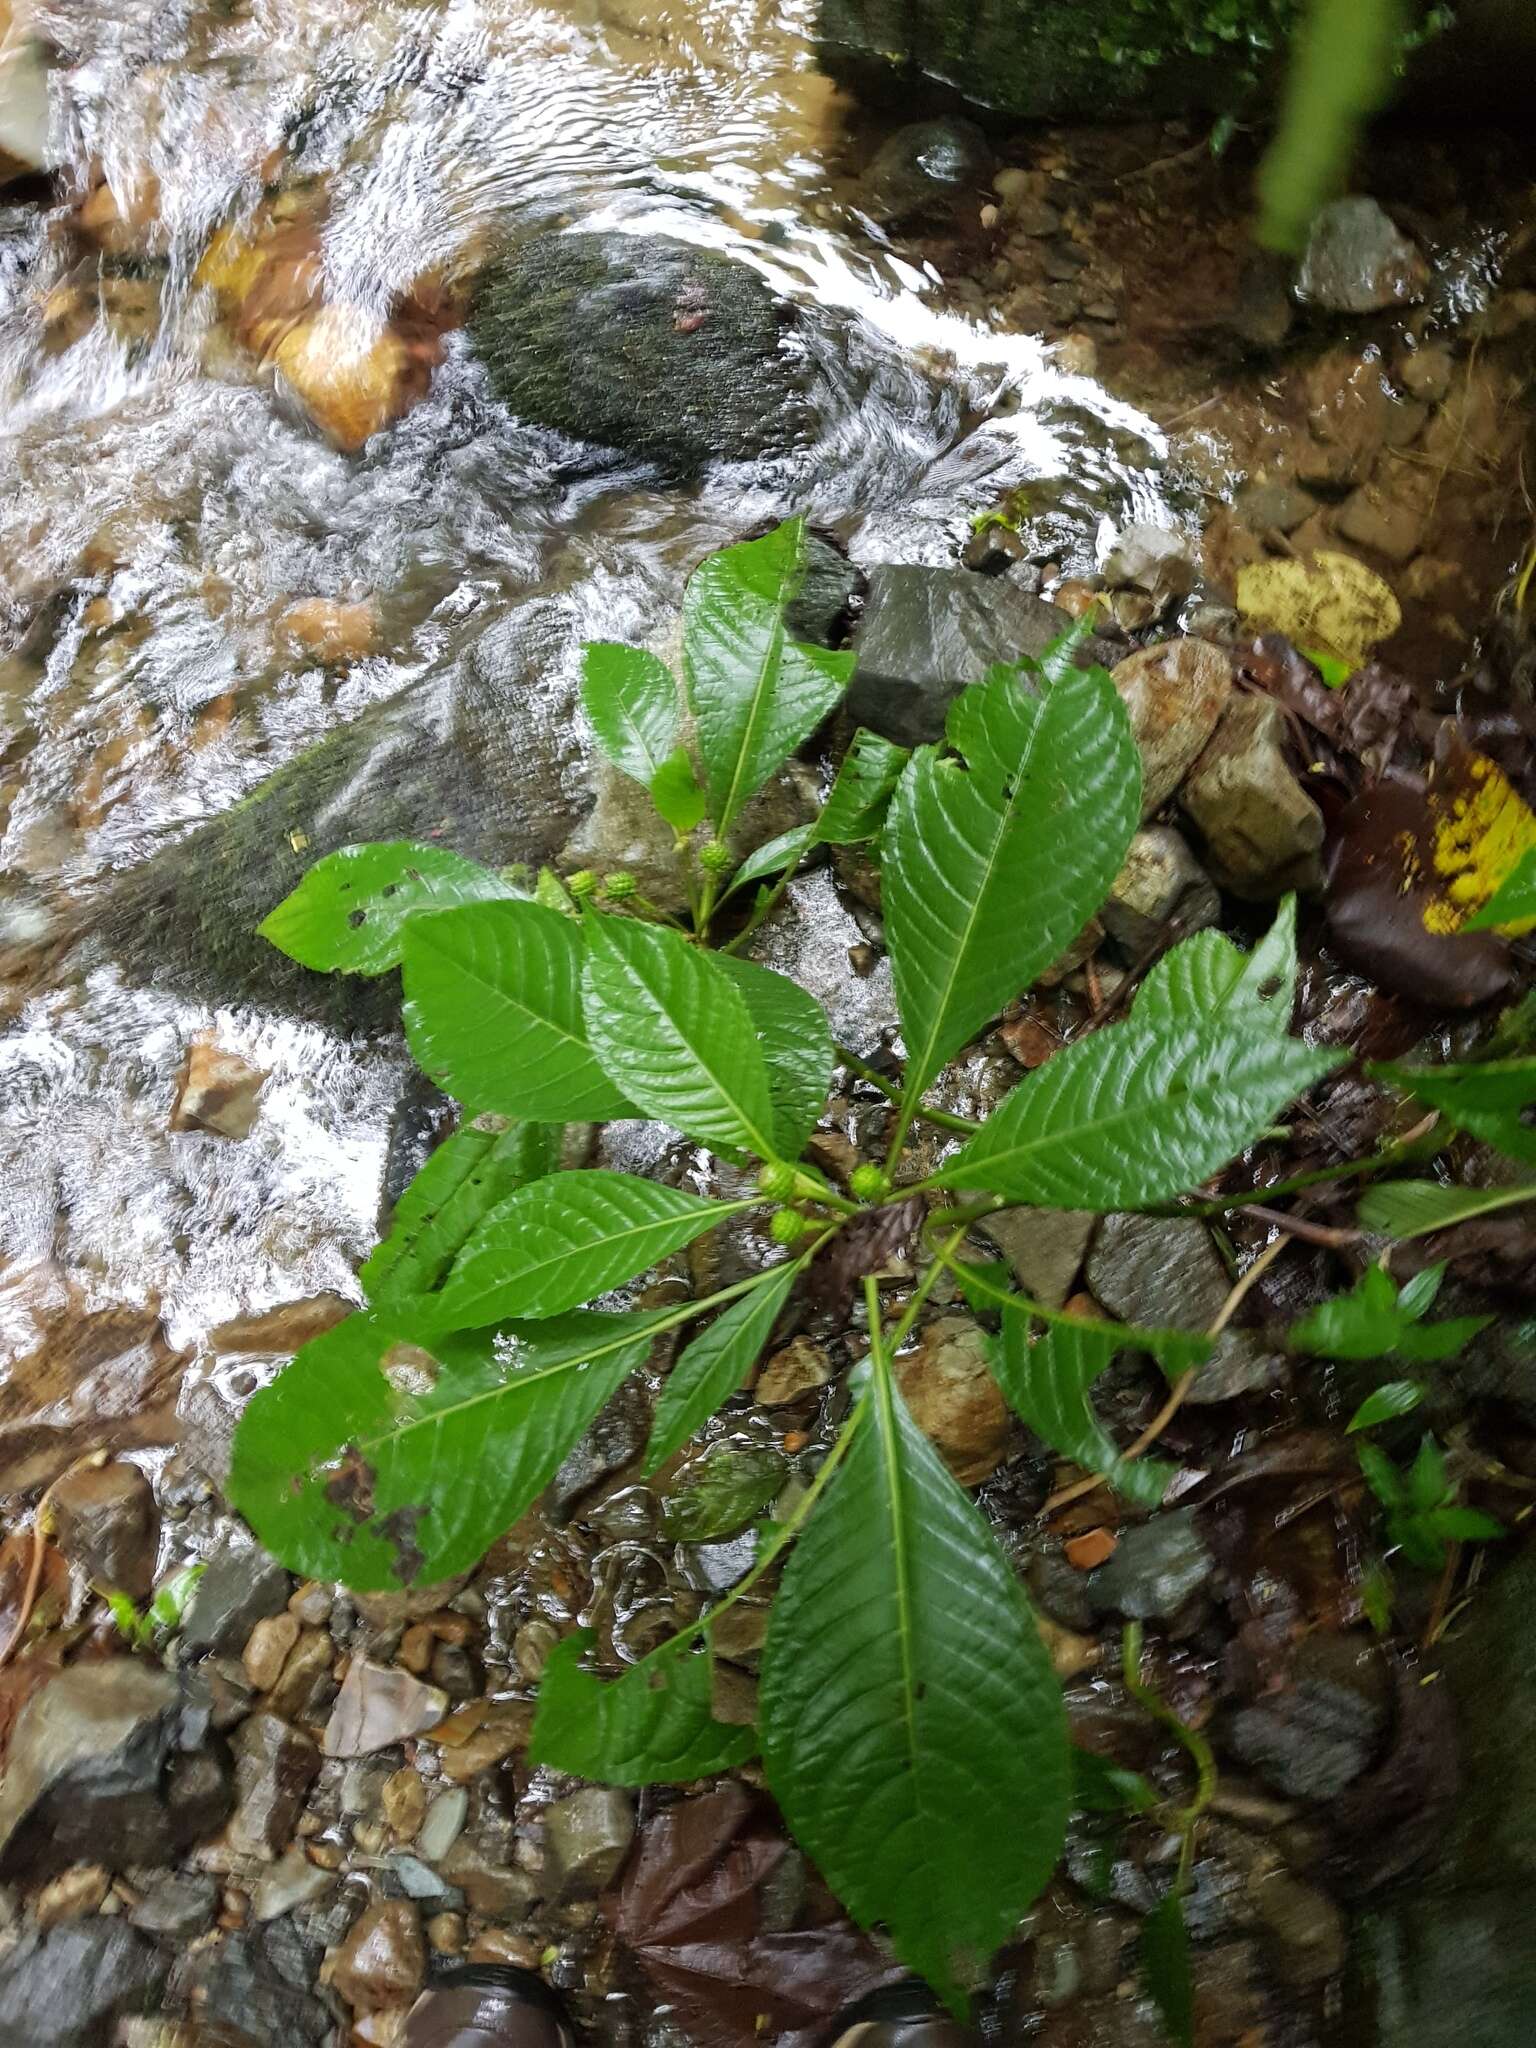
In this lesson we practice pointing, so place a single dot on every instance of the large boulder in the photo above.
(1053, 59)
(639, 342)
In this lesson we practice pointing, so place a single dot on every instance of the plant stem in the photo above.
(944, 1118)
(1184, 1818)
(1389, 1155)
(769, 904)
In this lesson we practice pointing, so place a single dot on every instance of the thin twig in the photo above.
(1178, 1393)
(1336, 1239)
(39, 1546)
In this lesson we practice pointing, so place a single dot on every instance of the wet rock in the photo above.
(1153, 559)
(1359, 261)
(409, 1877)
(275, 1765)
(267, 1651)
(379, 1706)
(240, 1587)
(108, 1526)
(1263, 833)
(383, 1961)
(587, 1838)
(926, 632)
(1045, 1248)
(178, 1906)
(615, 1439)
(646, 344)
(304, 1687)
(218, 1091)
(800, 1368)
(490, 1882)
(1308, 1937)
(443, 1825)
(72, 1894)
(953, 1398)
(292, 1881)
(1162, 887)
(1425, 373)
(1324, 1729)
(1165, 1271)
(261, 1983)
(404, 1799)
(1274, 506)
(1174, 694)
(1389, 524)
(92, 1768)
(352, 377)
(1155, 1570)
(925, 170)
(66, 1988)
(495, 1733)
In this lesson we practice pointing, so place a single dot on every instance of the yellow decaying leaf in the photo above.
(1480, 828)
(1330, 602)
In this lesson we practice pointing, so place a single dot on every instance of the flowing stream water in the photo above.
(159, 474)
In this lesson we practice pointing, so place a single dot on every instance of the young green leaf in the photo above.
(386, 1456)
(775, 856)
(1398, 1397)
(631, 701)
(349, 913)
(493, 1013)
(719, 1494)
(755, 694)
(674, 1031)
(1489, 1101)
(170, 1602)
(1375, 1320)
(991, 870)
(907, 1700)
(653, 1725)
(1098, 1786)
(1415, 1208)
(676, 794)
(1166, 1967)
(796, 1042)
(1142, 1110)
(1512, 907)
(1047, 1383)
(867, 776)
(715, 1364)
(564, 1240)
(1429, 1484)
(1382, 1476)
(460, 1183)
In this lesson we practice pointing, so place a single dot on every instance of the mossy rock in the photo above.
(1079, 60)
(647, 345)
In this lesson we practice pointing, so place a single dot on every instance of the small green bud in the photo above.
(777, 1182)
(619, 888)
(716, 859)
(869, 1184)
(582, 884)
(788, 1226)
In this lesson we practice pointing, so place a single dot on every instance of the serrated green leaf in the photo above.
(907, 1701)
(1512, 907)
(1414, 1208)
(718, 1496)
(461, 1182)
(349, 913)
(1488, 1101)
(386, 1455)
(755, 694)
(1142, 1110)
(564, 1240)
(676, 794)
(673, 1030)
(631, 701)
(1381, 1475)
(796, 1043)
(716, 1363)
(1047, 1382)
(1165, 1965)
(1374, 1320)
(776, 855)
(653, 1725)
(866, 781)
(1176, 1351)
(1398, 1397)
(493, 1013)
(990, 871)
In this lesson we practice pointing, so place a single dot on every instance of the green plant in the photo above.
(1424, 1517)
(1377, 1318)
(910, 1725)
(163, 1616)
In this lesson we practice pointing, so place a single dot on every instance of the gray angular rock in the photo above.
(927, 632)
(1174, 693)
(1263, 834)
(378, 1706)
(638, 342)
(1155, 559)
(1155, 1570)
(925, 170)
(275, 1765)
(92, 1766)
(1358, 260)
(178, 1906)
(617, 1436)
(66, 1988)
(1045, 1248)
(240, 1587)
(1274, 505)
(251, 1978)
(1165, 1271)
(1325, 1728)
(588, 1836)
(292, 1881)
(1161, 887)
(443, 1825)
